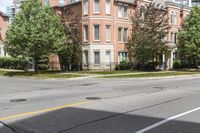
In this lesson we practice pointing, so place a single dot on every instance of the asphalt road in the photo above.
(100, 105)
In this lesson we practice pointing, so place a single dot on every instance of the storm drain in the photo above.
(93, 98)
(17, 100)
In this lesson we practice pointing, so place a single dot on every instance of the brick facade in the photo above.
(102, 53)
(105, 26)
(4, 22)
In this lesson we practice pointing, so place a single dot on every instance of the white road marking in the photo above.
(167, 120)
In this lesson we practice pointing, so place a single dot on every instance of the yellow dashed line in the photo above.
(42, 111)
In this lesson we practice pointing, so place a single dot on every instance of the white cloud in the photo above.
(4, 4)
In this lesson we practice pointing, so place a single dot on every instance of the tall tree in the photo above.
(70, 53)
(189, 36)
(149, 28)
(35, 32)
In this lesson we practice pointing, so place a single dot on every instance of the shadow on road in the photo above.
(77, 120)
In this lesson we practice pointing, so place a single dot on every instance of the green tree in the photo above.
(189, 37)
(149, 28)
(70, 53)
(35, 32)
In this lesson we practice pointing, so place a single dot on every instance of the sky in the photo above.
(4, 4)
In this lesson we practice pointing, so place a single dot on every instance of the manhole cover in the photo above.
(18, 100)
(158, 87)
(93, 98)
(45, 88)
(89, 84)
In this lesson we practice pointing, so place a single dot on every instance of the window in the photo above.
(172, 38)
(86, 7)
(96, 57)
(142, 11)
(73, 1)
(96, 33)
(175, 38)
(85, 57)
(125, 34)
(108, 57)
(61, 2)
(108, 32)
(108, 6)
(85, 33)
(120, 34)
(175, 18)
(96, 6)
(46, 2)
(172, 17)
(122, 56)
(126, 11)
(119, 10)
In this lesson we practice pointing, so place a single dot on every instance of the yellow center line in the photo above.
(42, 111)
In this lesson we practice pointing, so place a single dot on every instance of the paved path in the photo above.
(121, 106)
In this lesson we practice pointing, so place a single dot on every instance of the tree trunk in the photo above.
(61, 61)
(197, 63)
(36, 64)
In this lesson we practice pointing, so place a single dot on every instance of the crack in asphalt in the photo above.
(15, 129)
(116, 115)
(9, 127)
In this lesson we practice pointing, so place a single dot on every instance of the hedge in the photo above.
(13, 63)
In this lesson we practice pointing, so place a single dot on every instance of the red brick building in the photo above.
(105, 28)
(4, 22)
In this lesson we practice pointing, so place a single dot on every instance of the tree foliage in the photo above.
(189, 37)
(149, 28)
(70, 53)
(36, 32)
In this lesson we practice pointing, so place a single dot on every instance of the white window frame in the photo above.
(108, 60)
(99, 60)
(61, 2)
(86, 8)
(110, 34)
(85, 33)
(175, 18)
(94, 32)
(120, 8)
(125, 40)
(172, 17)
(126, 11)
(172, 39)
(85, 57)
(122, 56)
(108, 7)
(96, 12)
(120, 41)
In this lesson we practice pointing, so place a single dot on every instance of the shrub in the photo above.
(124, 65)
(177, 64)
(13, 63)
(150, 66)
(43, 63)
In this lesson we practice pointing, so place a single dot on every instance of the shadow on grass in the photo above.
(41, 74)
(24, 73)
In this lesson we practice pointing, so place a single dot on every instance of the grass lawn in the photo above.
(100, 74)
(152, 74)
(39, 75)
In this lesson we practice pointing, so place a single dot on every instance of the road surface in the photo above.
(100, 105)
